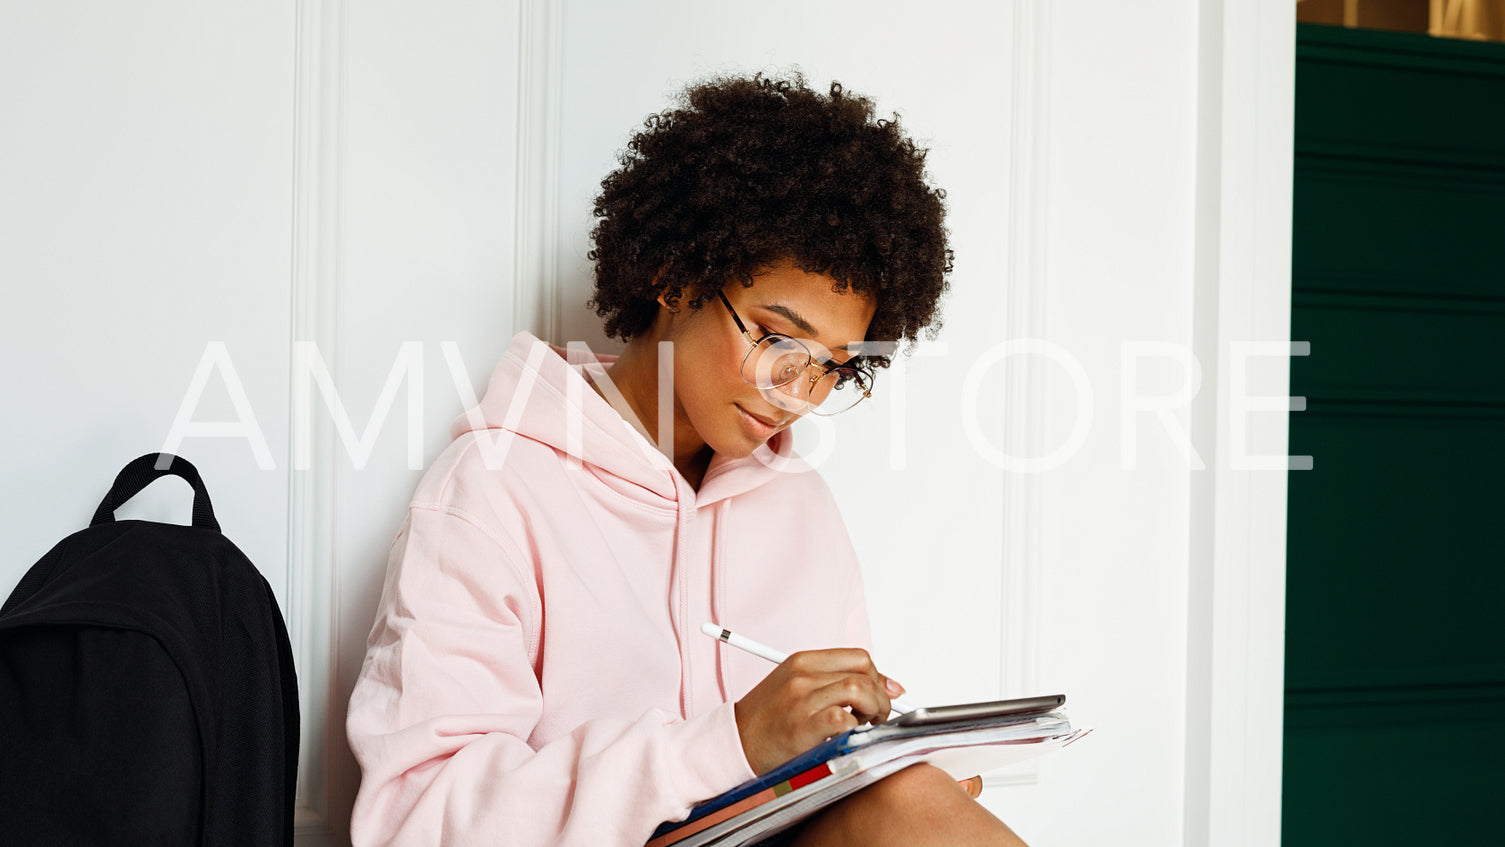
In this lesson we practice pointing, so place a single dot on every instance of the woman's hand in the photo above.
(972, 786)
(810, 697)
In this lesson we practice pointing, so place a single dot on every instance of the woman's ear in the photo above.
(670, 303)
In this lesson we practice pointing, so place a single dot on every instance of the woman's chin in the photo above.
(737, 445)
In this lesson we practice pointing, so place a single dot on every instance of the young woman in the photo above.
(536, 674)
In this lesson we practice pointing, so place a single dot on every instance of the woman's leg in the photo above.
(920, 805)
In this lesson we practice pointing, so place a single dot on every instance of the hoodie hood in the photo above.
(539, 391)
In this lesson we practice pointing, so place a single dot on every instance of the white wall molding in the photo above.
(536, 269)
(1236, 588)
(1024, 392)
(312, 611)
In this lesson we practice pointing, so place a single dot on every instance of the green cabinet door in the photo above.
(1395, 605)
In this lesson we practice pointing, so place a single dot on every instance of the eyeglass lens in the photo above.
(779, 362)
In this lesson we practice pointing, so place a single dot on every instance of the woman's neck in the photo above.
(635, 376)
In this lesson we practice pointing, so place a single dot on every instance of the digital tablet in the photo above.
(929, 715)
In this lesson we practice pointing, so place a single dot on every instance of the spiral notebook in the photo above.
(963, 740)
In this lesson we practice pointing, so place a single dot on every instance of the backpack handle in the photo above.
(144, 471)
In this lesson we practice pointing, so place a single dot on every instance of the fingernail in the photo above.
(894, 688)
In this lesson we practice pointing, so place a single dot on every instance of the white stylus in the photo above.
(763, 651)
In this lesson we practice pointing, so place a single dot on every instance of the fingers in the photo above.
(862, 694)
(842, 660)
(849, 659)
(972, 786)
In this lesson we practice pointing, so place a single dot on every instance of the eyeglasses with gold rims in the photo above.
(775, 361)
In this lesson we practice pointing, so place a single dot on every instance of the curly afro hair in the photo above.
(746, 173)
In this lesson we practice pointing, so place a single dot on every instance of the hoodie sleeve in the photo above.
(448, 697)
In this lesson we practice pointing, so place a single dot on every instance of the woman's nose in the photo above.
(790, 397)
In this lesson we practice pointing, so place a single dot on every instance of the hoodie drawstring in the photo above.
(687, 599)
(681, 611)
(718, 588)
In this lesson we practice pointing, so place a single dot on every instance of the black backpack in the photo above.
(147, 693)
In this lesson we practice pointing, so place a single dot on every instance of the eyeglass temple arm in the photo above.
(741, 327)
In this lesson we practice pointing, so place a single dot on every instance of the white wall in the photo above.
(145, 170)
(365, 175)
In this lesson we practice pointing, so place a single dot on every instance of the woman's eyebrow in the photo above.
(797, 319)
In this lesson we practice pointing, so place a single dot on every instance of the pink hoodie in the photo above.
(536, 674)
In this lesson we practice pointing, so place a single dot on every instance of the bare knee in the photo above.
(920, 788)
(919, 805)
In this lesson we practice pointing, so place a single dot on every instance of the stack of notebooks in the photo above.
(964, 741)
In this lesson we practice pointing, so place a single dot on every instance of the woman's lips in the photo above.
(757, 426)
